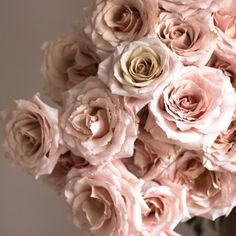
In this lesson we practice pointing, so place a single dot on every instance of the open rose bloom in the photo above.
(144, 133)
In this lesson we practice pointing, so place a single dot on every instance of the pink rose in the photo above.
(136, 69)
(167, 207)
(193, 108)
(95, 123)
(32, 136)
(227, 68)
(67, 61)
(189, 38)
(191, 7)
(224, 22)
(113, 22)
(210, 194)
(222, 154)
(106, 200)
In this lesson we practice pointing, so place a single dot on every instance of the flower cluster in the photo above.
(145, 134)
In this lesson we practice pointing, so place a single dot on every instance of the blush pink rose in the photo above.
(224, 22)
(32, 138)
(136, 69)
(167, 207)
(221, 155)
(210, 194)
(106, 200)
(95, 123)
(193, 108)
(189, 38)
(67, 61)
(191, 7)
(114, 22)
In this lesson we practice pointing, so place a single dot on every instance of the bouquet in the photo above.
(143, 132)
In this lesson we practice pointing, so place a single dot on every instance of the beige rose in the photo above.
(114, 22)
(95, 123)
(136, 69)
(32, 136)
(189, 38)
(210, 194)
(221, 156)
(106, 200)
(67, 61)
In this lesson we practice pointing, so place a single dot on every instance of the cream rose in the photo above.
(167, 207)
(32, 136)
(114, 22)
(222, 154)
(106, 200)
(95, 123)
(189, 38)
(67, 61)
(138, 68)
(191, 7)
(194, 107)
(210, 194)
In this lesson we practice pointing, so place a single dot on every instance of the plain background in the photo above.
(28, 207)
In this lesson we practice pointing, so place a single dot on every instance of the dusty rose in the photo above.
(114, 22)
(32, 136)
(227, 68)
(210, 194)
(167, 207)
(138, 68)
(67, 61)
(189, 38)
(194, 107)
(106, 200)
(224, 22)
(95, 123)
(191, 7)
(67, 161)
(222, 154)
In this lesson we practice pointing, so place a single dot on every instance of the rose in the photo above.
(32, 136)
(227, 68)
(222, 154)
(67, 61)
(189, 38)
(210, 194)
(106, 200)
(114, 22)
(67, 161)
(138, 68)
(95, 123)
(224, 22)
(194, 107)
(167, 207)
(191, 7)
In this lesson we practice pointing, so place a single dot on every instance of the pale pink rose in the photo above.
(222, 154)
(210, 194)
(167, 207)
(166, 232)
(136, 69)
(67, 161)
(189, 38)
(224, 22)
(191, 7)
(106, 200)
(67, 61)
(95, 123)
(227, 68)
(148, 153)
(113, 22)
(32, 136)
(194, 108)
